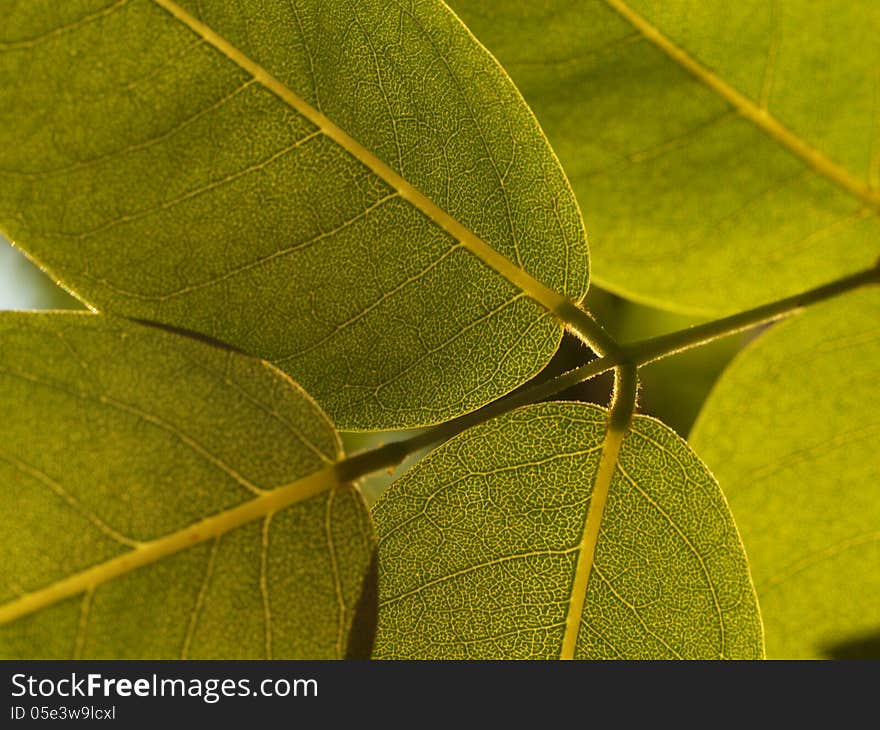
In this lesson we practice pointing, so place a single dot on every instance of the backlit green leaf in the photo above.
(791, 432)
(478, 547)
(317, 183)
(164, 497)
(724, 153)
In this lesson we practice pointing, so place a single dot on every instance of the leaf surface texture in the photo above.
(478, 547)
(725, 154)
(295, 161)
(791, 432)
(163, 497)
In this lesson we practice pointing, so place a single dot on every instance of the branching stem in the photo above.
(581, 323)
(656, 348)
(626, 358)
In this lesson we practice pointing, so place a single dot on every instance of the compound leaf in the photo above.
(478, 546)
(725, 154)
(164, 497)
(319, 184)
(791, 431)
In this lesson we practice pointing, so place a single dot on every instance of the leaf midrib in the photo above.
(153, 551)
(618, 425)
(586, 548)
(550, 299)
(748, 109)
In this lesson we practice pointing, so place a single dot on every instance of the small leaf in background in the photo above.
(251, 171)
(725, 154)
(791, 432)
(478, 545)
(162, 498)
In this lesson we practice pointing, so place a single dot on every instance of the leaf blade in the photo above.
(705, 178)
(359, 244)
(798, 472)
(149, 418)
(493, 521)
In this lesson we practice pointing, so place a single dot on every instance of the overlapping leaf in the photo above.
(478, 547)
(724, 153)
(306, 180)
(791, 431)
(164, 497)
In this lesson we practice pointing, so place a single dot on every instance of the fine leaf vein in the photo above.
(153, 420)
(490, 155)
(337, 578)
(690, 546)
(200, 598)
(43, 478)
(820, 556)
(635, 611)
(409, 281)
(67, 28)
(85, 612)
(474, 568)
(189, 195)
(264, 583)
(150, 552)
(136, 147)
(275, 255)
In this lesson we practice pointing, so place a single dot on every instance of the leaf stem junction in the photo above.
(625, 358)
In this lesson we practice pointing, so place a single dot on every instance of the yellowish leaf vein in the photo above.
(150, 552)
(544, 295)
(751, 111)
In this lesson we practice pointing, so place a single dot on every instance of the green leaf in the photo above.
(791, 431)
(480, 547)
(164, 497)
(725, 154)
(355, 192)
